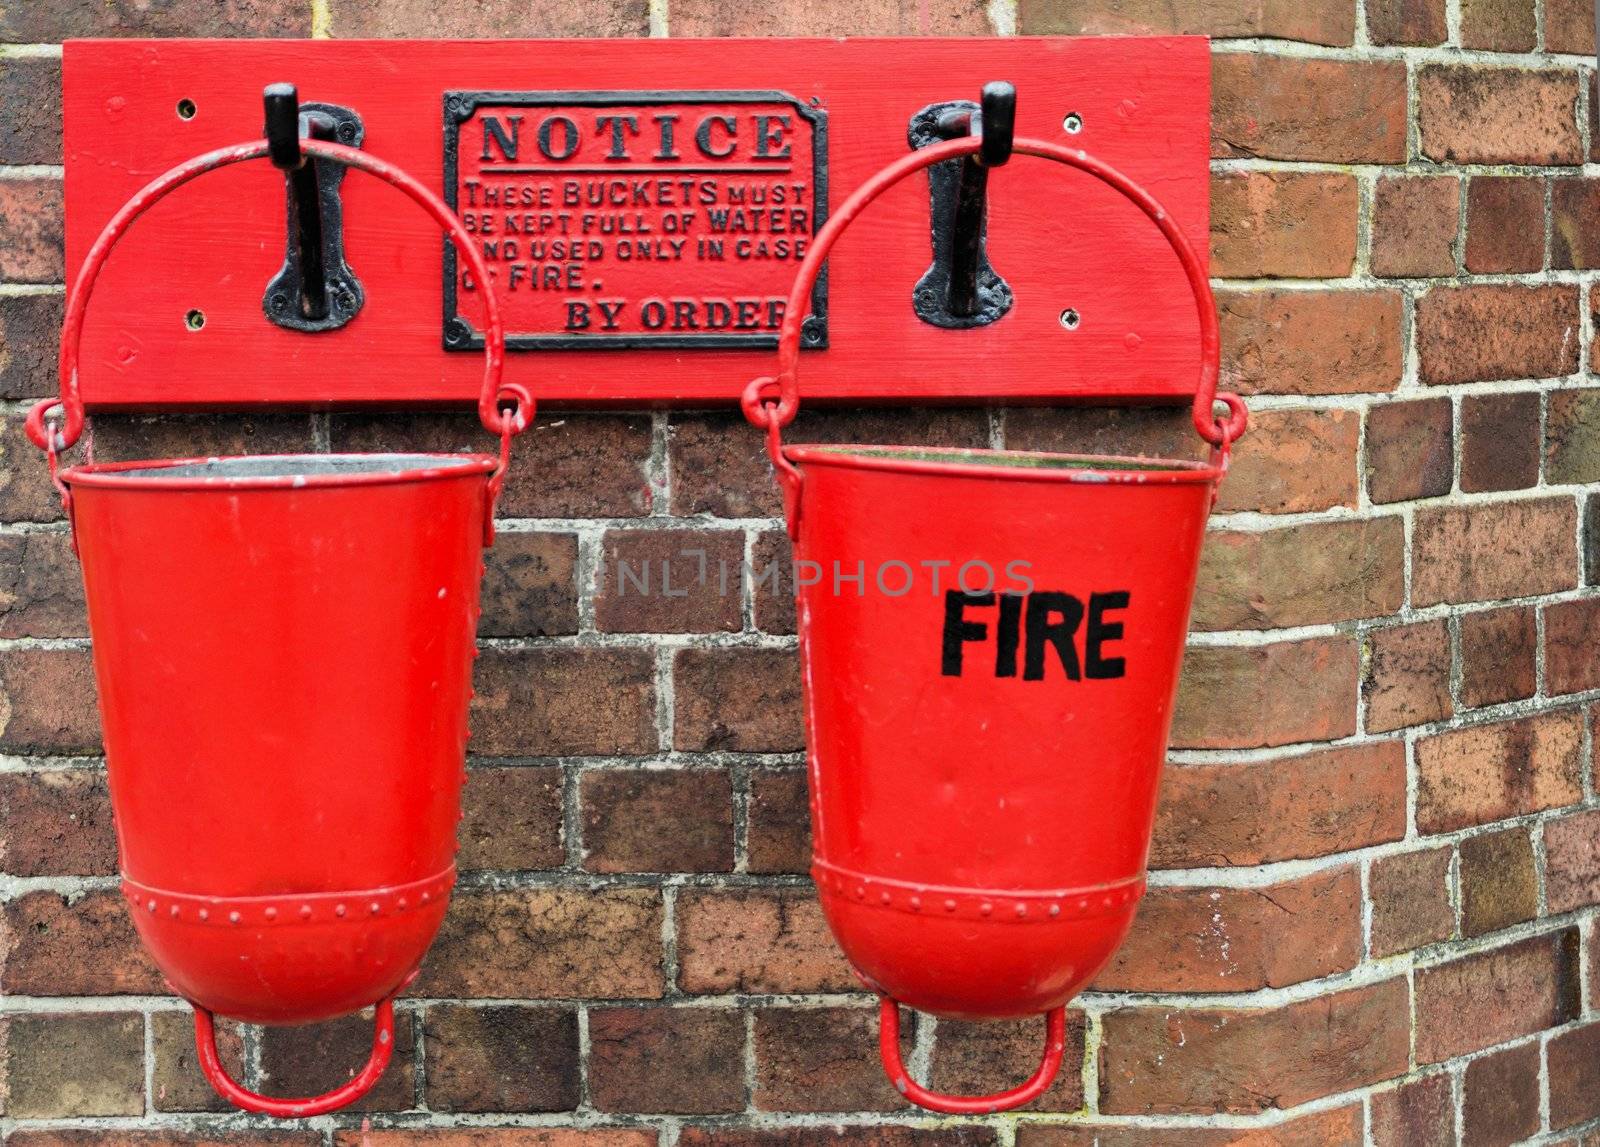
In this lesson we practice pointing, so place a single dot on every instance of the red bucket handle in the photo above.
(205, 1042)
(1055, 1046)
(505, 409)
(771, 403)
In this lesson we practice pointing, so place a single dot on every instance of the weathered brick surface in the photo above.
(1572, 861)
(564, 701)
(1505, 224)
(980, 1058)
(1500, 442)
(1416, 1114)
(31, 223)
(778, 822)
(678, 820)
(41, 591)
(1414, 226)
(686, 1061)
(1310, 341)
(1203, 1060)
(739, 700)
(1411, 901)
(1287, 107)
(1568, 27)
(56, 823)
(821, 1059)
(413, 19)
(1501, 1096)
(1282, 809)
(1418, 22)
(30, 110)
(1574, 207)
(313, 1058)
(1572, 436)
(1489, 772)
(1288, 225)
(1574, 1059)
(1407, 678)
(512, 819)
(28, 343)
(530, 585)
(1495, 551)
(1571, 630)
(1314, 21)
(501, 1057)
(1480, 114)
(1294, 462)
(1499, 881)
(176, 1081)
(1482, 333)
(1494, 996)
(1499, 25)
(54, 945)
(1285, 676)
(1499, 655)
(670, 581)
(1410, 450)
(1301, 575)
(62, 1065)
(760, 940)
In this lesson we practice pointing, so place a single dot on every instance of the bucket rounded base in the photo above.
(289, 959)
(969, 954)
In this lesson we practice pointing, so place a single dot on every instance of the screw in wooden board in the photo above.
(1073, 124)
(194, 320)
(1070, 319)
(186, 109)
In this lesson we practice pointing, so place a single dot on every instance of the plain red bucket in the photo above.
(990, 643)
(283, 651)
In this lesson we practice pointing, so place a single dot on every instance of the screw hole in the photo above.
(194, 320)
(1073, 124)
(1070, 319)
(186, 109)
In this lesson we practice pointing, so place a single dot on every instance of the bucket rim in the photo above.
(416, 466)
(1011, 465)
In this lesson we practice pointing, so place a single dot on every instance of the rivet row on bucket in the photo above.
(283, 650)
(983, 761)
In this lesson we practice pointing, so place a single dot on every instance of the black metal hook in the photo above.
(305, 295)
(961, 289)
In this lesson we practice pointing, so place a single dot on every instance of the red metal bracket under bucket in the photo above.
(1055, 1046)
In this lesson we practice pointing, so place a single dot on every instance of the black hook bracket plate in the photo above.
(932, 296)
(285, 300)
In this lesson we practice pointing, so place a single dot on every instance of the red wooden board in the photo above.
(1060, 240)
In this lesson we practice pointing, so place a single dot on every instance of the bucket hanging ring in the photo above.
(505, 409)
(205, 1042)
(774, 401)
(1055, 1046)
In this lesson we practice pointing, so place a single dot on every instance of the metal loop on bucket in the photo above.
(205, 1042)
(1055, 1045)
(762, 409)
(490, 394)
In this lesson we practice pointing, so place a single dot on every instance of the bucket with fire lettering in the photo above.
(983, 762)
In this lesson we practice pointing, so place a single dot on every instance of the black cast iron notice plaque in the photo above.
(636, 220)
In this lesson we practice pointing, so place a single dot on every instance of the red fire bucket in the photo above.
(989, 684)
(283, 649)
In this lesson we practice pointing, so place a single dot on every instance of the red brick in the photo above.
(1287, 225)
(512, 820)
(575, 466)
(56, 823)
(1572, 861)
(670, 581)
(1311, 341)
(1410, 450)
(674, 820)
(1300, 575)
(45, 21)
(1498, 25)
(418, 19)
(1416, 1114)
(757, 940)
(778, 822)
(1204, 1060)
(983, 1058)
(530, 585)
(30, 110)
(1244, 697)
(1471, 114)
(102, 1137)
(127, 437)
(1483, 333)
(1495, 996)
(176, 1081)
(1128, 431)
(554, 702)
(1287, 808)
(1499, 655)
(365, 1136)
(60, 1066)
(47, 701)
(29, 326)
(1500, 441)
(309, 1059)
(52, 945)
(26, 494)
(1494, 551)
(1500, 1097)
(719, 464)
(1407, 675)
(1574, 1067)
(1571, 633)
(1569, 27)
(681, 1061)
(1572, 437)
(1485, 773)
(1339, 1127)
(1574, 211)
(798, 18)
(1294, 462)
(1505, 224)
(1499, 881)
(821, 1059)
(1198, 939)
(1289, 107)
(546, 943)
(1314, 21)
(738, 700)
(836, 1135)
(503, 1057)
(1415, 220)
(31, 244)
(772, 582)
(1411, 901)
(41, 589)
(1420, 22)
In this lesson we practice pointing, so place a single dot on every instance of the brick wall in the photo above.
(1371, 917)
